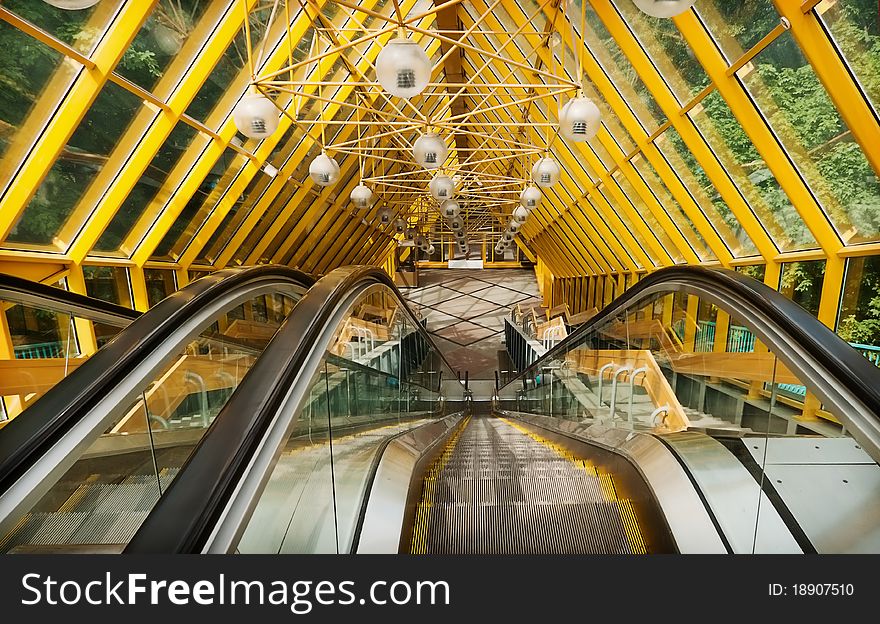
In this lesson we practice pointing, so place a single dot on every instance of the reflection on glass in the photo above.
(107, 491)
(647, 216)
(82, 159)
(807, 123)
(753, 178)
(802, 283)
(82, 29)
(169, 28)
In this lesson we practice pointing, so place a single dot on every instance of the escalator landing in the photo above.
(500, 489)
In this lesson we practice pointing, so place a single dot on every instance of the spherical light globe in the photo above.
(403, 68)
(384, 216)
(514, 226)
(72, 5)
(323, 170)
(531, 197)
(508, 236)
(449, 209)
(456, 225)
(255, 116)
(442, 187)
(520, 215)
(430, 150)
(579, 119)
(546, 172)
(169, 40)
(361, 196)
(664, 8)
(431, 250)
(400, 226)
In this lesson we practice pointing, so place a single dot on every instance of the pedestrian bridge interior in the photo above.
(440, 276)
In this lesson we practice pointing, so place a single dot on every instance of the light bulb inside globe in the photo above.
(361, 196)
(384, 216)
(400, 226)
(450, 208)
(430, 150)
(579, 119)
(546, 172)
(664, 8)
(456, 225)
(531, 197)
(514, 226)
(255, 116)
(441, 187)
(403, 68)
(520, 214)
(324, 170)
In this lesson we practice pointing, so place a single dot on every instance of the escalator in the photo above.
(340, 428)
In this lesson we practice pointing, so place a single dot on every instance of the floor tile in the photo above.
(464, 333)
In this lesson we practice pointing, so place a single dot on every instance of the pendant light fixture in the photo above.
(530, 197)
(579, 119)
(384, 216)
(545, 172)
(430, 150)
(361, 196)
(403, 68)
(441, 187)
(72, 5)
(514, 226)
(450, 209)
(255, 116)
(323, 170)
(520, 214)
(664, 8)
(400, 226)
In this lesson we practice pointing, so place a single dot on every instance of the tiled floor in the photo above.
(466, 309)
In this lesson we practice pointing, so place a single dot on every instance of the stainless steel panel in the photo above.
(733, 495)
(807, 451)
(837, 506)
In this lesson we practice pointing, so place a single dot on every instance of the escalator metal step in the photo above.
(499, 489)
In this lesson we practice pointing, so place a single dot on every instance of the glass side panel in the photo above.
(805, 120)
(85, 155)
(35, 79)
(753, 178)
(379, 377)
(672, 362)
(108, 284)
(108, 488)
(856, 31)
(648, 217)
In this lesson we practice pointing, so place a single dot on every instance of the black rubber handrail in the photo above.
(187, 512)
(36, 294)
(845, 365)
(29, 436)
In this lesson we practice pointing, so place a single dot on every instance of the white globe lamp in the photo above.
(403, 68)
(664, 8)
(430, 150)
(546, 172)
(579, 119)
(255, 116)
(530, 197)
(520, 215)
(361, 196)
(441, 187)
(450, 208)
(324, 170)
(72, 5)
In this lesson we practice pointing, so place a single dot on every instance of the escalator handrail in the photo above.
(843, 363)
(187, 512)
(27, 437)
(16, 289)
